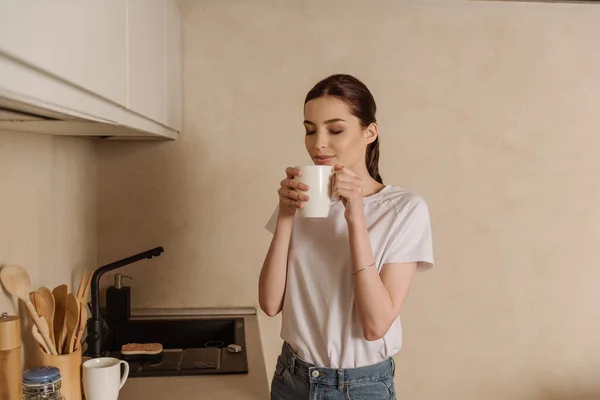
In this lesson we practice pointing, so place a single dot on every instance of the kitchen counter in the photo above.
(251, 386)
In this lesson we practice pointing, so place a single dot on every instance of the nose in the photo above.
(321, 140)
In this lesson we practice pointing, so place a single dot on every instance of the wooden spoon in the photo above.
(48, 297)
(37, 302)
(16, 281)
(82, 294)
(81, 287)
(44, 309)
(86, 291)
(39, 338)
(72, 321)
(32, 299)
(60, 301)
(83, 317)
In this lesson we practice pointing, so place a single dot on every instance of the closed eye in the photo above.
(332, 132)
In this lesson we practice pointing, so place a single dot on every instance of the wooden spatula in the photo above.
(39, 338)
(71, 320)
(60, 300)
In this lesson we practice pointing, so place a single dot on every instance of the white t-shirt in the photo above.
(319, 319)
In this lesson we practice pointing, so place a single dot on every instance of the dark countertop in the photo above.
(251, 386)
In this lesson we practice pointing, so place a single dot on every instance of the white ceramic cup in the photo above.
(318, 178)
(102, 378)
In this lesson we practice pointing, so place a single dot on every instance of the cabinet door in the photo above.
(146, 64)
(81, 42)
(174, 66)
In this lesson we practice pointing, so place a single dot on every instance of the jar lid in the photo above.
(41, 375)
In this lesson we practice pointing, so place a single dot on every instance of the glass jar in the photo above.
(42, 383)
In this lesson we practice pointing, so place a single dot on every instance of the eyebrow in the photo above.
(329, 121)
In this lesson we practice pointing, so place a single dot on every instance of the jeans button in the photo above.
(315, 374)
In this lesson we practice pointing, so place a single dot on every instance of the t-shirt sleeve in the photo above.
(272, 222)
(410, 239)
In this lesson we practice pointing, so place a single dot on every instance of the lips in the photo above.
(323, 160)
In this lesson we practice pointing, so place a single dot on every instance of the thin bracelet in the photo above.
(362, 269)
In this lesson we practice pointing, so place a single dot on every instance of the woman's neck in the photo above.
(371, 187)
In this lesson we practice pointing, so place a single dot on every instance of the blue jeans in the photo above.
(295, 379)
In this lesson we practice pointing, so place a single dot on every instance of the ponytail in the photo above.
(372, 160)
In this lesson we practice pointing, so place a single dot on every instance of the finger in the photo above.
(348, 171)
(292, 194)
(346, 185)
(291, 172)
(349, 186)
(345, 193)
(345, 178)
(346, 174)
(292, 183)
(302, 186)
(298, 185)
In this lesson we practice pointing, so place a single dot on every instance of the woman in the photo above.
(340, 281)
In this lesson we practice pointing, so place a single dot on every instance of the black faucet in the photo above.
(95, 325)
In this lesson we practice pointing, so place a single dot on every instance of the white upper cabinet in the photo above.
(103, 61)
(80, 41)
(174, 67)
(146, 28)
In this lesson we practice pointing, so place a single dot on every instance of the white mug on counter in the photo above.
(318, 178)
(102, 378)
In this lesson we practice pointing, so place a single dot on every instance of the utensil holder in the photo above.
(70, 371)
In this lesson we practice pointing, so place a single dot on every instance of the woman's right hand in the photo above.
(289, 199)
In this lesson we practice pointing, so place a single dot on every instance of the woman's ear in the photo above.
(371, 132)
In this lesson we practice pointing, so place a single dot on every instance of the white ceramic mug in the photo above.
(318, 178)
(102, 378)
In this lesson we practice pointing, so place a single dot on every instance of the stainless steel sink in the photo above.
(192, 345)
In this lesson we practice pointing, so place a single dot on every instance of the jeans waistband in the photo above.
(335, 376)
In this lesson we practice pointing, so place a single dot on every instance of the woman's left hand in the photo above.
(348, 186)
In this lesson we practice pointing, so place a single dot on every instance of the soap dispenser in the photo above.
(118, 300)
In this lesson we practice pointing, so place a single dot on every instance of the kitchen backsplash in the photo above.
(47, 208)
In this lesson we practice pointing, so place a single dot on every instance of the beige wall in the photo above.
(47, 209)
(486, 109)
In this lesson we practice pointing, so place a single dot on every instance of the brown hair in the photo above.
(362, 105)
